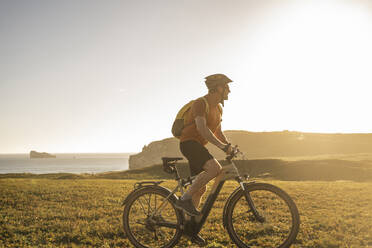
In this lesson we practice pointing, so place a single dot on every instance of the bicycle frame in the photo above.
(155, 215)
(200, 220)
(229, 172)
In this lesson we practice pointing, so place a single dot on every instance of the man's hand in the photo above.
(228, 149)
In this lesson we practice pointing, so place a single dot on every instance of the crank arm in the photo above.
(167, 224)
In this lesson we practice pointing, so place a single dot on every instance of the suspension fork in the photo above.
(250, 202)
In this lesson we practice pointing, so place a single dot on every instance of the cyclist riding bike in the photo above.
(254, 214)
(203, 125)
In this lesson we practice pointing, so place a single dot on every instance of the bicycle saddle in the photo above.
(169, 159)
(169, 164)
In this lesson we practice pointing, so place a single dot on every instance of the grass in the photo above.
(39, 212)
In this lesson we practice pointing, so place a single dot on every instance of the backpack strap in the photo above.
(206, 109)
(220, 108)
(206, 106)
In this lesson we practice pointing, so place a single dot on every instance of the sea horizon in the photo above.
(19, 153)
(64, 163)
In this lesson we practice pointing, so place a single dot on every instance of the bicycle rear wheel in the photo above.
(163, 230)
(280, 223)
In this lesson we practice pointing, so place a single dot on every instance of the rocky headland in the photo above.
(264, 145)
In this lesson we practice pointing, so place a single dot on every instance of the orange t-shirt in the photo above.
(190, 132)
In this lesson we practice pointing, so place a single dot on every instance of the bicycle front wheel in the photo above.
(279, 225)
(146, 229)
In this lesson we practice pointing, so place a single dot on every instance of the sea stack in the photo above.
(35, 154)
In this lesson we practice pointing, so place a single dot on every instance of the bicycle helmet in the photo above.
(212, 81)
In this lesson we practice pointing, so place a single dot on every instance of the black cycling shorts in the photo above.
(196, 154)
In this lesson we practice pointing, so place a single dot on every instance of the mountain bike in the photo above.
(255, 214)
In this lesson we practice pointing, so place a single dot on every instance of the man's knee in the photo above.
(202, 190)
(212, 167)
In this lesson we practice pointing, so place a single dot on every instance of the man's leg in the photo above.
(217, 180)
(211, 170)
(196, 200)
(198, 195)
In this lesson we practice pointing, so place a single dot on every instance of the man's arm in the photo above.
(220, 135)
(206, 133)
(198, 109)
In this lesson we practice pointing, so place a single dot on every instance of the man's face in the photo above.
(224, 90)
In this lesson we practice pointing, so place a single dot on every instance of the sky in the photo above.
(110, 76)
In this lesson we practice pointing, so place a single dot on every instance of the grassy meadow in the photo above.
(37, 212)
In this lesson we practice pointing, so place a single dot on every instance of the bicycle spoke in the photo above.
(241, 214)
(161, 233)
(140, 223)
(163, 207)
(143, 208)
(149, 205)
(155, 203)
(150, 210)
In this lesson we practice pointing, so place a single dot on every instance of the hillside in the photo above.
(265, 145)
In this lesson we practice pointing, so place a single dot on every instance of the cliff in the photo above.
(264, 145)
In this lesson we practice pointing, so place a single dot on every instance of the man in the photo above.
(203, 126)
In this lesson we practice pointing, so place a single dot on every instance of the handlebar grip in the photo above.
(234, 152)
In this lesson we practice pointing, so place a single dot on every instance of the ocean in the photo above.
(64, 162)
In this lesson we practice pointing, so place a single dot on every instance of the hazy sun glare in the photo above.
(310, 70)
